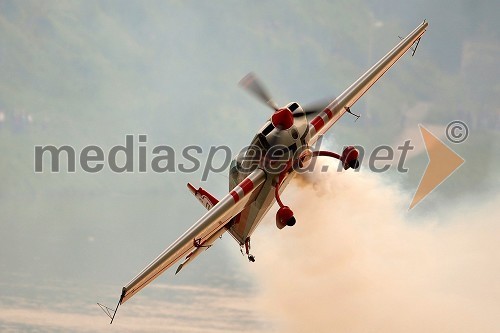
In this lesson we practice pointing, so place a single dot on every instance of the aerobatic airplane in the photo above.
(259, 174)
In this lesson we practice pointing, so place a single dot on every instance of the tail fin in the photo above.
(206, 199)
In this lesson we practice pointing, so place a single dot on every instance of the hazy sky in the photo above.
(89, 73)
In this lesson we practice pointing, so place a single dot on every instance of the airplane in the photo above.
(258, 175)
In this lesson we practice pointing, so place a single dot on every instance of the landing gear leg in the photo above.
(284, 216)
(251, 258)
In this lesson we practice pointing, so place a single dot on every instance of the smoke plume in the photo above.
(358, 261)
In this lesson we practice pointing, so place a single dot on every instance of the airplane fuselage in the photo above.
(274, 150)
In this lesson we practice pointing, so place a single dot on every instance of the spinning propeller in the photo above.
(252, 84)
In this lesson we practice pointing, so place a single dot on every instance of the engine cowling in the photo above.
(349, 158)
(284, 217)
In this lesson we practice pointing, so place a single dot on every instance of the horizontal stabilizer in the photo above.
(206, 199)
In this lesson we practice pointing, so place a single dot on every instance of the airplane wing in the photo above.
(322, 122)
(200, 236)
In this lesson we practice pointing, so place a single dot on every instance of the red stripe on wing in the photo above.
(235, 196)
(246, 185)
(318, 123)
(329, 113)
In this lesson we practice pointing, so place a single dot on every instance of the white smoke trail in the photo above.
(354, 262)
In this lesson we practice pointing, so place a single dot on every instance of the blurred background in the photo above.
(91, 72)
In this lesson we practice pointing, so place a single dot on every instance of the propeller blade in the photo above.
(252, 84)
(315, 107)
(307, 112)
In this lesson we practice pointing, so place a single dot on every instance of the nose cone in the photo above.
(282, 119)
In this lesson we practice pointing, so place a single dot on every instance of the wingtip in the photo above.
(109, 311)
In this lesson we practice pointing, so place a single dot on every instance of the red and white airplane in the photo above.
(259, 174)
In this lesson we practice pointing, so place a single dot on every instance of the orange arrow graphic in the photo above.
(442, 163)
